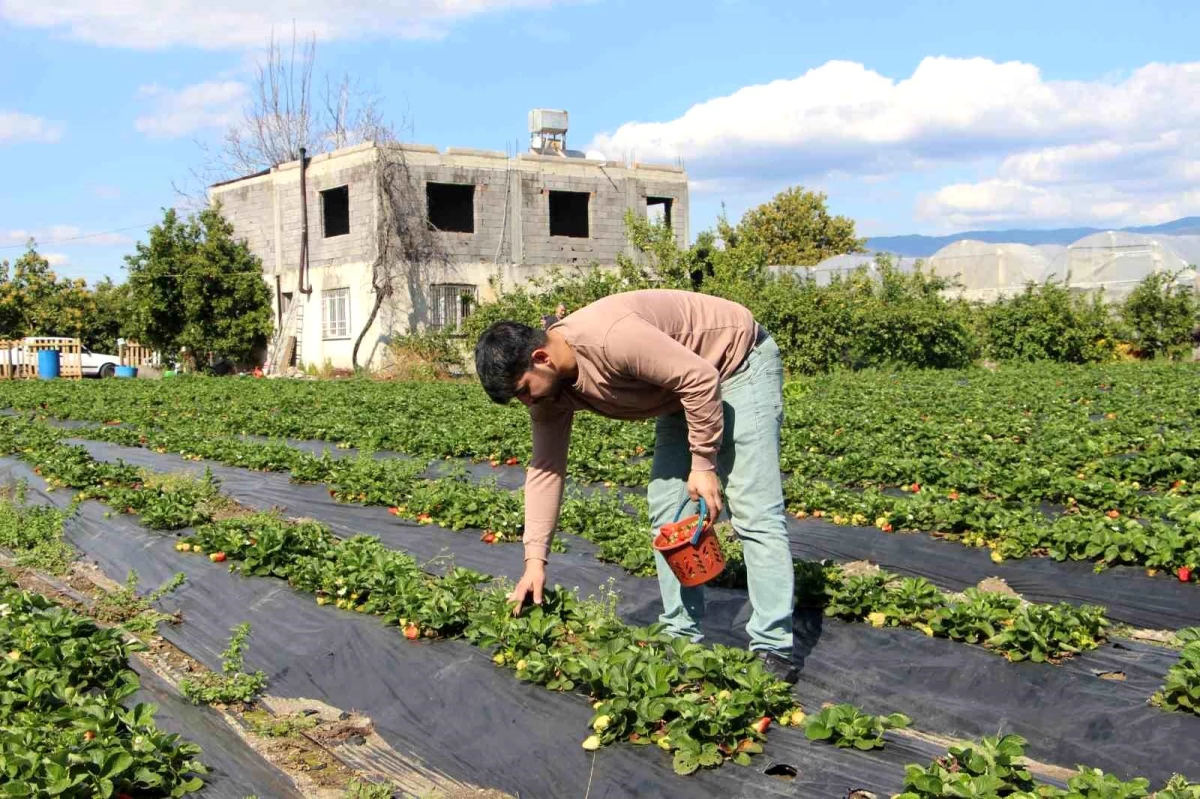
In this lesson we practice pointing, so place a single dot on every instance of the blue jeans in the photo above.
(748, 466)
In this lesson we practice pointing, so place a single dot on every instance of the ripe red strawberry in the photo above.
(512, 462)
(1184, 574)
(953, 495)
(412, 632)
(89, 735)
(887, 528)
(1113, 514)
(488, 537)
(217, 557)
(761, 725)
(916, 488)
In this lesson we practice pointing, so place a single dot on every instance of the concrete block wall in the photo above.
(249, 207)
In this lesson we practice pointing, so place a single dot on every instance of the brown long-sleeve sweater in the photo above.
(640, 354)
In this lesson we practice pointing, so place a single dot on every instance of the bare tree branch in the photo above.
(407, 247)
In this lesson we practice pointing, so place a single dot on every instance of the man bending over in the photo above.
(713, 379)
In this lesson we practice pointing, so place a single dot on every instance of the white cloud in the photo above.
(178, 112)
(107, 192)
(56, 258)
(149, 24)
(17, 127)
(63, 236)
(1117, 147)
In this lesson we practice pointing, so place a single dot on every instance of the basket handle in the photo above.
(699, 523)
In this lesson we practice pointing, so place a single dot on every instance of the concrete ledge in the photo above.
(659, 168)
(475, 152)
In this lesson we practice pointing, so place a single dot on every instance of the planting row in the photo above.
(63, 729)
(633, 675)
(1113, 448)
(409, 418)
(994, 767)
(1019, 433)
(1165, 537)
(1001, 623)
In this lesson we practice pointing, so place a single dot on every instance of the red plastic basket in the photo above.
(697, 558)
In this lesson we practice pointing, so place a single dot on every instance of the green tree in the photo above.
(110, 318)
(1161, 315)
(795, 228)
(194, 286)
(1046, 322)
(27, 296)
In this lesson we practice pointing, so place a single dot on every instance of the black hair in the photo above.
(503, 353)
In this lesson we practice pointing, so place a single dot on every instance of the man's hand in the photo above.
(707, 485)
(532, 583)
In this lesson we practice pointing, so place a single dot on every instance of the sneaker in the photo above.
(780, 667)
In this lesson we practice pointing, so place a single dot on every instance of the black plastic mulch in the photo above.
(1069, 713)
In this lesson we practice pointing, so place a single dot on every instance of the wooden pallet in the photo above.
(133, 354)
(70, 366)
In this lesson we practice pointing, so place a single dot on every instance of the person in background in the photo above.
(560, 312)
(713, 378)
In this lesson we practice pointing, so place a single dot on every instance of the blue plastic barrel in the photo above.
(126, 371)
(48, 364)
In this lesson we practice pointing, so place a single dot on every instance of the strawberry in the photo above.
(761, 725)
(916, 488)
(488, 537)
(217, 557)
(511, 462)
(89, 736)
(953, 495)
(412, 632)
(394, 511)
(1184, 574)
(887, 528)
(1113, 514)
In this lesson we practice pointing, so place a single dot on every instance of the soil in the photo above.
(860, 568)
(995, 585)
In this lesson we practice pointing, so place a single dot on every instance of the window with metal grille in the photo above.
(450, 304)
(335, 313)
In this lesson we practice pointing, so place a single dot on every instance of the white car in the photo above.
(97, 364)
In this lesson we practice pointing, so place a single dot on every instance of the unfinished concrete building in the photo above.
(501, 220)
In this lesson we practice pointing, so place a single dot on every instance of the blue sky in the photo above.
(914, 117)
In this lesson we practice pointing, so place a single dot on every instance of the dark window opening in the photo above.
(451, 207)
(569, 213)
(658, 210)
(335, 211)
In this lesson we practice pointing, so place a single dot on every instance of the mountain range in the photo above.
(918, 246)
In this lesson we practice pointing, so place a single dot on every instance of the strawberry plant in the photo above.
(63, 729)
(846, 726)
(1181, 690)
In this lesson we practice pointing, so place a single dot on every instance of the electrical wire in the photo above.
(78, 238)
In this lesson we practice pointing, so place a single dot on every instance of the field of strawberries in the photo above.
(910, 494)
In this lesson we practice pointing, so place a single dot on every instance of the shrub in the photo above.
(1160, 315)
(1048, 323)
(426, 356)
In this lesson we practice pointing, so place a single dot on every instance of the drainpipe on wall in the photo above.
(304, 225)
